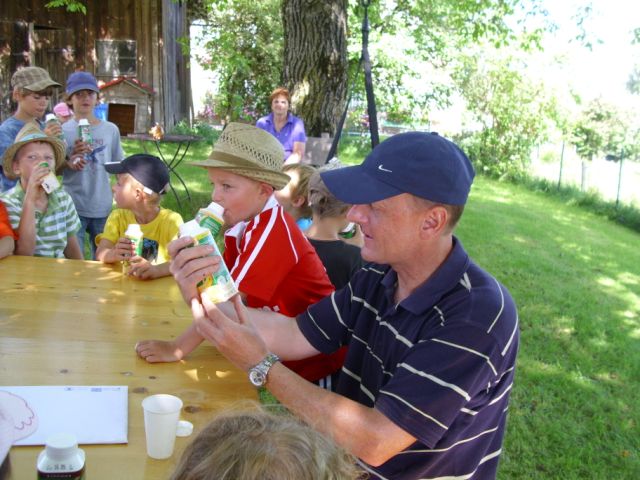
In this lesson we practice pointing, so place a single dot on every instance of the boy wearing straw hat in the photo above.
(271, 261)
(46, 223)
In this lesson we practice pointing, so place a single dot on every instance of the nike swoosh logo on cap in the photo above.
(380, 167)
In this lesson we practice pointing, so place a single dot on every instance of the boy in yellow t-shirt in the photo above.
(141, 179)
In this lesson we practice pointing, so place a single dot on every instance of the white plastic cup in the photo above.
(161, 414)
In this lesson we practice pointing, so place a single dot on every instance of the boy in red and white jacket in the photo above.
(273, 264)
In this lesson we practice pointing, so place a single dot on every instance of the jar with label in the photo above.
(218, 287)
(61, 458)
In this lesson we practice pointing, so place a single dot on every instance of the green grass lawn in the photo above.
(576, 279)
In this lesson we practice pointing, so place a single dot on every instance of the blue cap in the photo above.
(423, 164)
(81, 81)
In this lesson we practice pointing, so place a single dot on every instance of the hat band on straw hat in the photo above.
(218, 159)
(277, 180)
(244, 167)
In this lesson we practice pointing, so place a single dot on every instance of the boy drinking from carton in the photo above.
(141, 180)
(32, 88)
(45, 220)
(85, 178)
(271, 262)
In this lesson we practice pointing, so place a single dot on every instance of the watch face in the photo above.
(257, 377)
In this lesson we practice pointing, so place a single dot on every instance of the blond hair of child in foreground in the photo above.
(254, 444)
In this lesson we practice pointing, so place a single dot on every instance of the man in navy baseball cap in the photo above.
(432, 338)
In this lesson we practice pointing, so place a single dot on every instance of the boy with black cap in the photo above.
(141, 179)
(32, 88)
(84, 178)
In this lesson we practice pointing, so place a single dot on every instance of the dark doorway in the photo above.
(124, 116)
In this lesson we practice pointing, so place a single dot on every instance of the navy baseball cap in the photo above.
(149, 170)
(423, 164)
(81, 81)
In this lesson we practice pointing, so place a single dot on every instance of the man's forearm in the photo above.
(361, 430)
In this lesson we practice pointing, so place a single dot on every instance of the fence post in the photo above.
(561, 164)
(619, 177)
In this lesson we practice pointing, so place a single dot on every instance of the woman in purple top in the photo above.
(286, 127)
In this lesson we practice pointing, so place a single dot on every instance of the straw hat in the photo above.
(31, 133)
(248, 151)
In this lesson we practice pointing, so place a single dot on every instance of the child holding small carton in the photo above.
(270, 260)
(141, 180)
(43, 216)
(85, 178)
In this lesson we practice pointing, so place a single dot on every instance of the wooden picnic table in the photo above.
(72, 322)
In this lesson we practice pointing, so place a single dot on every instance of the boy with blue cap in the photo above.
(85, 178)
(432, 338)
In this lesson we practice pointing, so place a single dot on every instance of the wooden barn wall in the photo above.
(65, 42)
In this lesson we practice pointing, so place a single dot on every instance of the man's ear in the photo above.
(435, 220)
(15, 167)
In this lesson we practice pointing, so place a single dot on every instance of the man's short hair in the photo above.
(454, 212)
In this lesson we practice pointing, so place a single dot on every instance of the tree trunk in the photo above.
(315, 61)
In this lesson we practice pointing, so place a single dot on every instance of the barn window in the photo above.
(116, 58)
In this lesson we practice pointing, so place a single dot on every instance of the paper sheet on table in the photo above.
(94, 414)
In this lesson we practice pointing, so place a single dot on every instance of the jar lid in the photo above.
(61, 448)
(61, 445)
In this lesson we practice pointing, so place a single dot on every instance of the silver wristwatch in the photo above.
(258, 374)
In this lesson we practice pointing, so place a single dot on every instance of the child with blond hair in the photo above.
(293, 197)
(270, 260)
(141, 180)
(253, 444)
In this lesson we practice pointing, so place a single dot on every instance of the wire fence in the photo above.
(613, 180)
